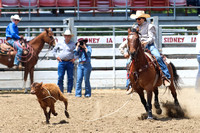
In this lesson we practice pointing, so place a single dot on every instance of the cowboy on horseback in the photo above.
(12, 36)
(147, 37)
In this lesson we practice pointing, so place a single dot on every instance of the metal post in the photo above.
(114, 63)
(155, 22)
(78, 10)
(174, 9)
(69, 24)
(29, 10)
(160, 38)
(126, 9)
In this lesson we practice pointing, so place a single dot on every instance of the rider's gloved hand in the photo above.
(21, 37)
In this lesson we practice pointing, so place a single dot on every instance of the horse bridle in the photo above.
(51, 42)
(134, 54)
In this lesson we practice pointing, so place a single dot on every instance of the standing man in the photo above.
(12, 36)
(63, 52)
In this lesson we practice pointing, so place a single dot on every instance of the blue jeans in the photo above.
(197, 84)
(62, 67)
(155, 52)
(83, 70)
(18, 49)
(127, 78)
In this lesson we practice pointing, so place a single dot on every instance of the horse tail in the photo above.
(176, 77)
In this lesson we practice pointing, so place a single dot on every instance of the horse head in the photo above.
(133, 42)
(49, 38)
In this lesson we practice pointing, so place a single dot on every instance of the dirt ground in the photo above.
(107, 111)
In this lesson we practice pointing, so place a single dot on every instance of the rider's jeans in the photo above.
(18, 48)
(62, 67)
(155, 52)
(197, 85)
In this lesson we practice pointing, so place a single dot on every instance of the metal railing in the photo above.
(126, 9)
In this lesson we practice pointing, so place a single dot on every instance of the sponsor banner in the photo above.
(179, 39)
(120, 39)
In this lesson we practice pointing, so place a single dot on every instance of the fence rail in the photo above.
(108, 64)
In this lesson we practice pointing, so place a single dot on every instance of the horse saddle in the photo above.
(7, 49)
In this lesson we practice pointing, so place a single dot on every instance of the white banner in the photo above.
(120, 39)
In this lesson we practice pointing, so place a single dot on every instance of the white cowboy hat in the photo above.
(68, 32)
(139, 14)
(15, 17)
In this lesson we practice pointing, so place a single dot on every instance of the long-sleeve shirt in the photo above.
(148, 32)
(64, 51)
(82, 55)
(123, 47)
(12, 31)
(198, 44)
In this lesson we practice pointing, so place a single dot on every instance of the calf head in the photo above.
(36, 87)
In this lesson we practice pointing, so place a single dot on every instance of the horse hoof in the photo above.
(150, 118)
(66, 114)
(158, 111)
(55, 114)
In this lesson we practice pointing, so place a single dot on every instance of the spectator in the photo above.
(123, 48)
(197, 84)
(12, 36)
(83, 51)
(147, 33)
(63, 52)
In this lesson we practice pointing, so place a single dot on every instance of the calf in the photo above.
(47, 95)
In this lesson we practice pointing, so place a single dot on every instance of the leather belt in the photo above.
(66, 60)
(83, 62)
(8, 38)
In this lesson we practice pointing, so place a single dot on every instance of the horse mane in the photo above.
(36, 38)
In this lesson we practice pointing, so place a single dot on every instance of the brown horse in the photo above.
(145, 75)
(30, 61)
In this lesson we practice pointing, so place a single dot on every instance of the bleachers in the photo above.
(98, 5)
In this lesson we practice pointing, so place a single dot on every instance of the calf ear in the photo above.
(40, 84)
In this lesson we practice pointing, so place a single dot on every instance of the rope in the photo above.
(50, 96)
(109, 113)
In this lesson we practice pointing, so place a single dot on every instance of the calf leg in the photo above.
(46, 114)
(52, 108)
(62, 98)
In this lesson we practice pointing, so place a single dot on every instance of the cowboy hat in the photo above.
(15, 17)
(139, 14)
(68, 32)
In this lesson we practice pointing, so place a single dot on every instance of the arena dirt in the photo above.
(107, 111)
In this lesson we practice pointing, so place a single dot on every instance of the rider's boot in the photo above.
(129, 90)
(166, 82)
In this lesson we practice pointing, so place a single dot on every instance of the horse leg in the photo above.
(25, 79)
(156, 102)
(141, 94)
(149, 106)
(174, 94)
(31, 75)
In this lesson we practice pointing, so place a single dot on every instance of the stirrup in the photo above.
(129, 91)
(168, 82)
